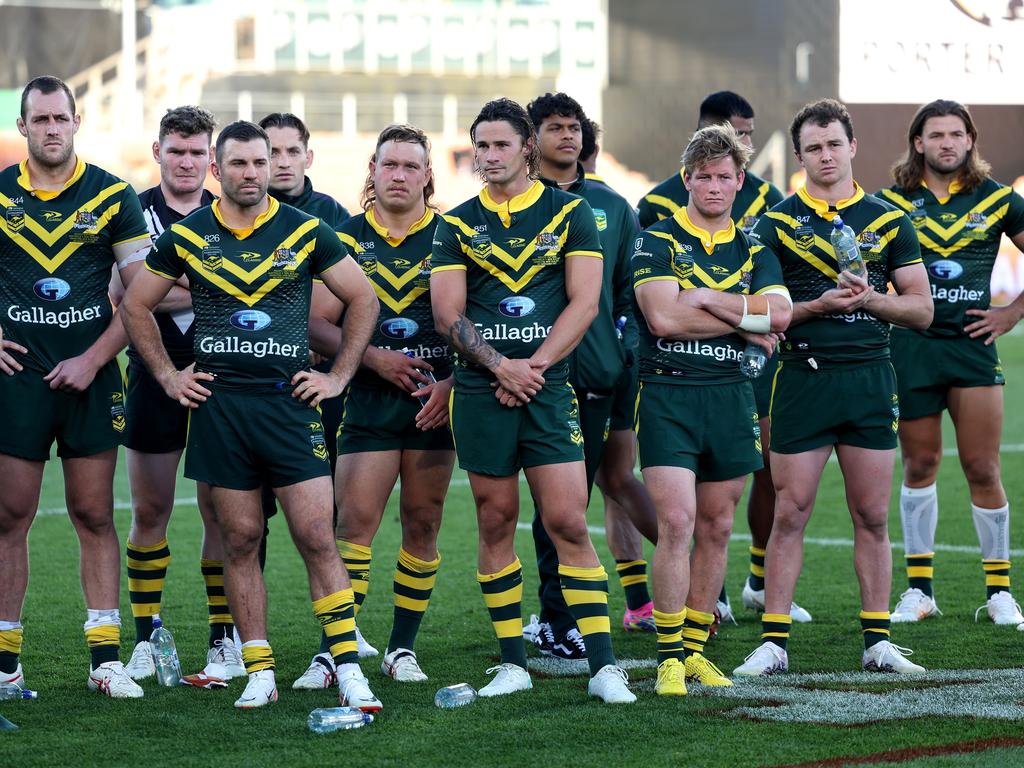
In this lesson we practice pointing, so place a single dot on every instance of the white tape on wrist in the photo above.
(756, 323)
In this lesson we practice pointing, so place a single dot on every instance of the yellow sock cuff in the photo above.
(626, 565)
(162, 544)
(333, 601)
(669, 619)
(211, 563)
(105, 634)
(413, 563)
(921, 555)
(757, 552)
(597, 573)
(777, 618)
(350, 550)
(876, 615)
(699, 617)
(512, 567)
(10, 640)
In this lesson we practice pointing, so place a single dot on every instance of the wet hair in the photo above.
(406, 134)
(820, 113)
(512, 113)
(908, 172)
(713, 142)
(187, 121)
(240, 130)
(286, 120)
(46, 84)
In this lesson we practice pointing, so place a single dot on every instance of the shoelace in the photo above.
(576, 639)
(998, 600)
(893, 648)
(776, 655)
(499, 668)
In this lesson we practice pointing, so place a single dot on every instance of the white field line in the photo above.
(598, 530)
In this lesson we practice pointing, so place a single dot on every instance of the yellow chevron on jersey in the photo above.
(515, 277)
(18, 226)
(948, 240)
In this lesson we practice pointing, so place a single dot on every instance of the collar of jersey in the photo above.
(822, 208)
(954, 187)
(708, 240)
(380, 229)
(262, 219)
(594, 177)
(520, 202)
(48, 194)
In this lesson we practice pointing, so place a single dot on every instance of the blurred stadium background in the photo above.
(639, 67)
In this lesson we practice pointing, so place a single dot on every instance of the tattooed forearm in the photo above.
(464, 337)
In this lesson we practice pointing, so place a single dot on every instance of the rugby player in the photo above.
(65, 225)
(290, 158)
(629, 514)
(835, 388)
(699, 285)
(755, 197)
(597, 367)
(515, 282)
(154, 438)
(250, 388)
(394, 410)
(960, 214)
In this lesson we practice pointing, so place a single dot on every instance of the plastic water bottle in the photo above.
(165, 655)
(330, 719)
(455, 696)
(844, 243)
(620, 325)
(753, 361)
(14, 692)
(420, 384)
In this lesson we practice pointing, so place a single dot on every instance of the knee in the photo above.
(675, 529)
(716, 530)
(420, 524)
(982, 472)
(872, 522)
(921, 466)
(495, 518)
(241, 541)
(791, 516)
(94, 519)
(566, 525)
(148, 514)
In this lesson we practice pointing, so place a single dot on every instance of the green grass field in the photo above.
(953, 718)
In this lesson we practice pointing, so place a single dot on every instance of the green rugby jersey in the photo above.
(797, 231)
(514, 256)
(250, 289)
(56, 254)
(754, 198)
(317, 204)
(676, 249)
(959, 238)
(598, 360)
(399, 271)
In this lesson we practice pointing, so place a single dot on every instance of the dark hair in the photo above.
(512, 113)
(46, 84)
(821, 113)
(187, 121)
(591, 131)
(407, 134)
(240, 130)
(713, 142)
(909, 171)
(286, 120)
(719, 106)
(549, 104)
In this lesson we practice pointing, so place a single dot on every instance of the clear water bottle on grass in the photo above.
(330, 719)
(165, 655)
(455, 696)
(753, 361)
(14, 692)
(844, 243)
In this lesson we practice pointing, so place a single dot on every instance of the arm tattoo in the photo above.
(467, 341)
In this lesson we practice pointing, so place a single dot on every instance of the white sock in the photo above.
(344, 669)
(993, 528)
(7, 626)
(919, 513)
(101, 617)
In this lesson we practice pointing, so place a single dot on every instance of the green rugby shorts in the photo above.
(379, 419)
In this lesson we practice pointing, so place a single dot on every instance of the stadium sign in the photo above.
(914, 51)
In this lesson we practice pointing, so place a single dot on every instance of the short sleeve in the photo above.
(129, 223)
(653, 259)
(447, 250)
(329, 249)
(163, 258)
